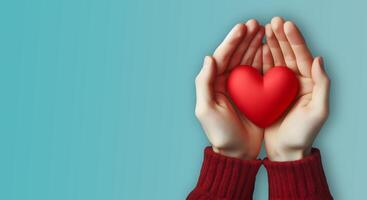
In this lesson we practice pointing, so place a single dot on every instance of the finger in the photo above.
(320, 93)
(252, 28)
(274, 47)
(277, 24)
(267, 58)
(225, 50)
(205, 80)
(300, 49)
(257, 63)
(253, 47)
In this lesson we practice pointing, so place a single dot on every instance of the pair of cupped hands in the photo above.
(229, 131)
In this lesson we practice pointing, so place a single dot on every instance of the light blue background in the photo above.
(97, 97)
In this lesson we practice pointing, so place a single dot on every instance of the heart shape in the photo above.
(263, 99)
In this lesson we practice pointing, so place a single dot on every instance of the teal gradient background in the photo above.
(97, 97)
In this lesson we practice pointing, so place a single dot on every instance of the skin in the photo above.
(291, 137)
(229, 132)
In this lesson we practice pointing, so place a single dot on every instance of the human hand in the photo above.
(292, 136)
(229, 132)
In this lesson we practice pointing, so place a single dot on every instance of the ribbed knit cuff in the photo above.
(223, 177)
(298, 180)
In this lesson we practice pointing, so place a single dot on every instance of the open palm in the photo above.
(228, 130)
(292, 136)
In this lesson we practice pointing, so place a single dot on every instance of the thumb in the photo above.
(204, 81)
(321, 88)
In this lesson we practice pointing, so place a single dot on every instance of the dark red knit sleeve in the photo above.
(298, 180)
(224, 178)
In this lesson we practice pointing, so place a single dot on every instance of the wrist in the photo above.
(288, 154)
(235, 153)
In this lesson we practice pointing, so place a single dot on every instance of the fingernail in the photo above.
(206, 61)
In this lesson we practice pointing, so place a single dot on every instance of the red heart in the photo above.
(263, 99)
